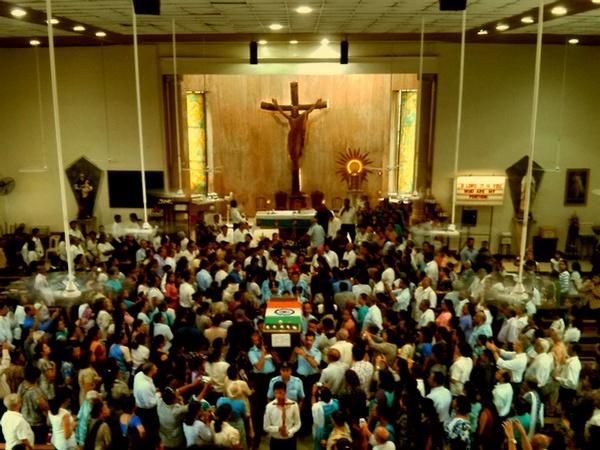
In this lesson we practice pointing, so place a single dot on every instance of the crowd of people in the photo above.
(401, 345)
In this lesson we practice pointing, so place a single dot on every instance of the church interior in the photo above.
(474, 119)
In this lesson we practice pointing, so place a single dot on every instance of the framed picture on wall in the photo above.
(576, 187)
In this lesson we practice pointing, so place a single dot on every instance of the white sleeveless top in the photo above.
(58, 432)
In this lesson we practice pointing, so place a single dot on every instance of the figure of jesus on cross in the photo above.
(297, 122)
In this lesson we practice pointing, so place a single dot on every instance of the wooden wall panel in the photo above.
(250, 145)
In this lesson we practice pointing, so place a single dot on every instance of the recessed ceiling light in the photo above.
(527, 19)
(304, 9)
(275, 26)
(559, 10)
(263, 42)
(100, 34)
(78, 28)
(324, 41)
(502, 27)
(18, 12)
(53, 21)
(482, 32)
(573, 41)
(293, 42)
(34, 42)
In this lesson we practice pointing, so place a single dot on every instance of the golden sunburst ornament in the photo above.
(353, 167)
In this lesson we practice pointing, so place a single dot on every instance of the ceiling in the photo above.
(252, 18)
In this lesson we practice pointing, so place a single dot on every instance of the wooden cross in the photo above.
(297, 122)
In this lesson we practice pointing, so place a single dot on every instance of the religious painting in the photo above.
(576, 187)
(407, 133)
(517, 176)
(196, 131)
(84, 178)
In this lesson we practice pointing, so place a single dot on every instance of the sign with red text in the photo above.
(480, 190)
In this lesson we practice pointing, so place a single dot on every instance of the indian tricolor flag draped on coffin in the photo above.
(283, 315)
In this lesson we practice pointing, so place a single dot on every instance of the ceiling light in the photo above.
(324, 41)
(34, 42)
(596, 2)
(100, 34)
(18, 12)
(559, 11)
(263, 42)
(275, 26)
(482, 32)
(53, 21)
(304, 9)
(502, 27)
(573, 41)
(78, 28)
(527, 19)
(293, 42)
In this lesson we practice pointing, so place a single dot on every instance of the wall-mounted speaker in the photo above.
(469, 217)
(344, 52)
(453, 5)
(253, 52)
(147, 7)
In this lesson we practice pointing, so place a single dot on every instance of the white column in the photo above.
(71, 289)
(139, 116)
(534, 111)
(461, 77)
(176, 98)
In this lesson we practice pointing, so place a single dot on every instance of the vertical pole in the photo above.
(459, 116)
(139, 116)
(71, 289)
(419, 109)
(534, 111)
(176, 98)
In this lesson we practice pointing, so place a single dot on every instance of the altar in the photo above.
(290, 224)
(181, 212)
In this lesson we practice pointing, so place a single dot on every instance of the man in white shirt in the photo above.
(331, 257)
(427, 314)
(144, 393)
(541, 367)
(15, 428)
(186, 290)
(333, 375)
(402, 295)
(349, 255)
(373, 316)
(344, 346)
(348, 219)
(515, 362)
(424, 291)
(566, 381)
(460, 370)
(117, 229)
(282, 419)
(440, 395)
(502, 393)
(105, 249)
(431, 269)
(316, 233)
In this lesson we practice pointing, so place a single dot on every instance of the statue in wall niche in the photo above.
(517, 182)
(297, 122)
(84, 178)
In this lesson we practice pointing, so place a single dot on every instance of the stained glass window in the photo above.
(406, 145)
(196, 134)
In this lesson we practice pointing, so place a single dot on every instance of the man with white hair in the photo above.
(15, 428)
(344, 346)
(540, 369)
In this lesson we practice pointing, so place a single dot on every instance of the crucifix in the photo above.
(297, 121)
